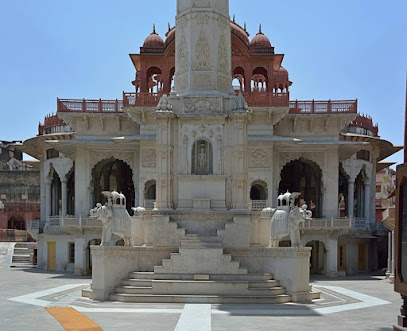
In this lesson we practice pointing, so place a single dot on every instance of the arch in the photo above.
(113, 175)
(150, 193)
(303, 176)
(258, 195)
(56, 194)
(16, 223)
(318, 257)
(259, 80)
(202, 157)
(154, 80)
(239, 79)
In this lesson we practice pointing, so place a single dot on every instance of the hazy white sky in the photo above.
(336, 49)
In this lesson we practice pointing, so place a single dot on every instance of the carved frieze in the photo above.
(224, 83)
(182, 55)
(202, 60)
(223, 63)
(259, 158)
(207, 105)
(236, 51)
(148, 158)
(202, 80)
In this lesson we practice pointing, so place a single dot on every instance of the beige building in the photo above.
(206, 158)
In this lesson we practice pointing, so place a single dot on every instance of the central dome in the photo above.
(260, 40)
(153, 40)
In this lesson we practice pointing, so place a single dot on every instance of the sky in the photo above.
(335, 49)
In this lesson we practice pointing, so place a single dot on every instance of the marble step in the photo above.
(211, 299)
(200, 288)
(21, 258)
(149, 275)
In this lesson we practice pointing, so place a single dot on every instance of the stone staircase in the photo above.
(200, 273)
(23, 255)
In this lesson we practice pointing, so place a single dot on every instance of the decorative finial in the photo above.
(260, 29)
(169, 27)
(234, 18)
(154, 28)
(245, 29)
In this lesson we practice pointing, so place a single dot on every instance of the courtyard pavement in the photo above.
(365, 302)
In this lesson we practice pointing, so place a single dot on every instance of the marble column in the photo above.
(64, 193)
(351, 193)
(389, 251)
(48, 183)
(332, 257)
(367, 202)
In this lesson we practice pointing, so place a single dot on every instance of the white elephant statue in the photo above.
(286, 219)
(114, 217)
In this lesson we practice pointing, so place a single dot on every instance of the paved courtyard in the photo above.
(355, 303)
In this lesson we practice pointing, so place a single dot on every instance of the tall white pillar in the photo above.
(48, 183)
(367, 202)
(80, 256)
(332, 257)
(64, 192)
(351, 193)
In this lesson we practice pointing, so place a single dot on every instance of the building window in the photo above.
(378, 188)
(71, 252)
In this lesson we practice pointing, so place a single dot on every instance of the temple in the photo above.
(202, 152)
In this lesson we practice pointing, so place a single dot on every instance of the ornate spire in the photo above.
(245, 28)
(260, 29)
(154, 29)
(169, 26)
(234, 18)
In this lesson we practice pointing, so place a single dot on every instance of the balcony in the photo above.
(324, 107)
(327, 224)
(258, 205)
(59, 222)
(89, 106)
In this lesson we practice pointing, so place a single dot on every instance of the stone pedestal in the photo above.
(291, 267)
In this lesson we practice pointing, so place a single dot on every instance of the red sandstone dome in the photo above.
(170, 35)
(153, 40)
(260, 40)
(282, 73)
(239, 32)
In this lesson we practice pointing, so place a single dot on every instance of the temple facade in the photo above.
(207, 139)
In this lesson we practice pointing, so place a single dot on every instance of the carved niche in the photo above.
(259, 158)
(183, 54)
(148, 158)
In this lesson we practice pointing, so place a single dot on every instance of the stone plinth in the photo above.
(111, 264)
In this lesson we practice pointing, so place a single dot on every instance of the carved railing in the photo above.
(149, 204)
(259, 204)
(323, 107)
(72, 222)
(327, 224)
(89, 106)
(33, 225)
(141, 99)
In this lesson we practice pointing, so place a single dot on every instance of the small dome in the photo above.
(170, 35)
(153, 40)
(282, 74)
(239, 32)
(260, 40)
